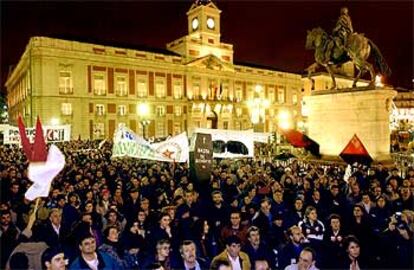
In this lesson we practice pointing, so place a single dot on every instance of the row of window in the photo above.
(66, 109)
(214, 91)
(98, 129)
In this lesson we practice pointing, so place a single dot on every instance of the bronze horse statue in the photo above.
(357, 48)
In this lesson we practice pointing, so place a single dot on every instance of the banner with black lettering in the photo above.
(52, 134)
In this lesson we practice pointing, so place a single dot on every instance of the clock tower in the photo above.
(203, 34)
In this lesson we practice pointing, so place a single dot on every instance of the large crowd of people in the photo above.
(105, 213)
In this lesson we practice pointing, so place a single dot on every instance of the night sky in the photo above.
(270, 33)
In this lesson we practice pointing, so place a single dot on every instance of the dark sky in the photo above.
(263, 32)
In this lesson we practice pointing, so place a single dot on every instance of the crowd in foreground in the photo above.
(105, 213)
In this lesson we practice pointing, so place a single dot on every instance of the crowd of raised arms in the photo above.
(105, 213)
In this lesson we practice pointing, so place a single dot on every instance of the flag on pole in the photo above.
(43, 165)
(42, 174)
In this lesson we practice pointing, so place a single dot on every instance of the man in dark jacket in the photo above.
(53, 233)
(90, 258)
(256, 249)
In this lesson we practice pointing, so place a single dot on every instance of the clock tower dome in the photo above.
(203, 34)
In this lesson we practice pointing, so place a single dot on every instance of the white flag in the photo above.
(175, 148)
(129, 144)
(42, 174)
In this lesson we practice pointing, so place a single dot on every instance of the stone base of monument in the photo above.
(335, 116)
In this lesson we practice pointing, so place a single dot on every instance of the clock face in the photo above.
(210, 23)
(194, 23)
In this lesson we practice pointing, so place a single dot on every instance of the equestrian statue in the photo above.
(342, 46)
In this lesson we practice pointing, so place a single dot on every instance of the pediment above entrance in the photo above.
(211, 62)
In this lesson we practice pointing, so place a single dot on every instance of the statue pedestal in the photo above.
(335, 116)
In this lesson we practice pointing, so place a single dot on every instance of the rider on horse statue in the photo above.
(341, 31)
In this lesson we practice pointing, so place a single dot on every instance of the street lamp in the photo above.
(143, 112)
(284, 119)
(258, 106)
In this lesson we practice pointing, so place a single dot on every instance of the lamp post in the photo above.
(143, 113)
(257, 106)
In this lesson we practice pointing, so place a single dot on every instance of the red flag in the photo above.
(36, 152)
(355, 151)
(39, 147)
(27, 147)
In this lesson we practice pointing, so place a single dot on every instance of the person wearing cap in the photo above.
(90, 258)
(54, 259)
(239, 260)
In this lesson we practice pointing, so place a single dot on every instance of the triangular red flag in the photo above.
(27, 146)
(355, 147)
(36, 152)
(39, 146)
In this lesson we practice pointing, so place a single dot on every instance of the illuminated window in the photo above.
(196, 90)
(238, 93)
(178, 91)
(295, 99)
(99, 130)
(66, 108)
(142, 88)
(100, 109)
(121, 85)
(99, 84)
(160, 89)
(122, 110)
(65, 82)
(281, 95)
(160, 130)
(177, 128)
(177, 110)
(160, 110)
(224, 91)
(271, 95)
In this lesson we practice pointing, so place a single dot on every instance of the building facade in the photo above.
(194, 83)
